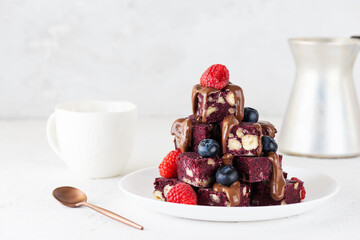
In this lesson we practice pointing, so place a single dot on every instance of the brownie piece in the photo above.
(218, 106)
(244, 139)
(207, 196)
(212, 105)
(162, 187)
(261, 193)
(199, 132)
(203, 131)
(254, 169)
(196, 170)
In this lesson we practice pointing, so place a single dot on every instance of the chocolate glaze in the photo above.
(277, 180)
(206, 91)
(232, 192)
(227, 124)
(182, 129)
(227, 158)
(269, 128)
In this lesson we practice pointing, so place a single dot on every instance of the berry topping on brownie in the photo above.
(216, 76)
(226, 175)
(182, 193)
(208, 148)
(250, 115)
(268, 144)
(168, 167)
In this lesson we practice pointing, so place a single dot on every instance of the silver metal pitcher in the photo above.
(323, 115)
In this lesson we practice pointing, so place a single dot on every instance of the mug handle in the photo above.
(52, 136)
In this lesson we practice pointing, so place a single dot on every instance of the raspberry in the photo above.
(182, 193)
(216, 76)
(168, 167)
(302, 190)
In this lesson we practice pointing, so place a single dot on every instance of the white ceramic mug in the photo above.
(94, 138)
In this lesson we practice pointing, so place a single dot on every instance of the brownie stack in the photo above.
(219, 114)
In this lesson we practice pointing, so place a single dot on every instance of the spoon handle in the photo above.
(114, 216)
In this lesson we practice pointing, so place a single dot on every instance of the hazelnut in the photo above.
(211, 162)
(158, 195)
(239, 133)
(220, 100)
(210, 110)
(189, 172)
(250, 142)
(230, 98)
(234, 144)
(215, 198)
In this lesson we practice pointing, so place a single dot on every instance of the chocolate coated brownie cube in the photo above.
(244, 139)
(254, 169)
(196, 170)
(162, 187)
(199, 131)
(261, 193)
(208, 197)
(218, 106)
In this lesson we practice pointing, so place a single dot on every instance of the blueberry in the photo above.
(269, 144)
(226, 175)
(208, 148)
(250, 115)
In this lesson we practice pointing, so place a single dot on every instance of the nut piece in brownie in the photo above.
(208, 197)
(254, 169)
(196, 170)
(260, 195)
(212, 105)
(188, 139)
(241, 139)
(162, 187)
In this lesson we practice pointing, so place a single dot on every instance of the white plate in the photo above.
(319, 188)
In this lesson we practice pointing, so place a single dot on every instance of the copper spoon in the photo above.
(73, 197)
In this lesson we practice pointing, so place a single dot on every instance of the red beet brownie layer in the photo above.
(162, 187)
(260, 195)
(208, 197)
(219, 105)
(244, 140)
(254, 169)
(196, 170)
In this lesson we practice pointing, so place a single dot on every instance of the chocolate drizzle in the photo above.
(232, 192)
(269, 128)
(182, 129)
(227, 159)
(227, 124)
(206, 91)
(277, 181)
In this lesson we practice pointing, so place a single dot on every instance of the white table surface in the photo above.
(29, 171)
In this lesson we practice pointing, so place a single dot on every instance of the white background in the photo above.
(153, 52)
